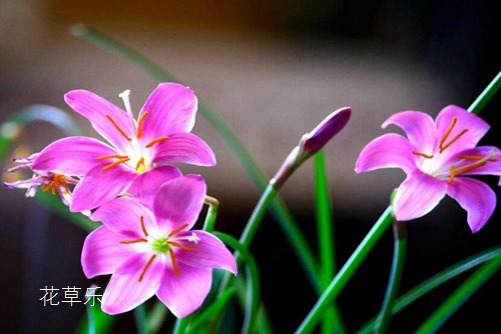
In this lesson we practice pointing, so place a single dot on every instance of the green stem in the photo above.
(291, 231)
(212, 311)
(400, 246)
(436, 281)
(180, 325)
(325, 235)
(90, 320)
(253, 285)
(460, 296)
(210, 219)
(141, 321)
(157, 316)
(486, 95)
(325, 221)
(346, 272)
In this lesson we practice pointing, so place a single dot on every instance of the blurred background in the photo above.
(272, 70)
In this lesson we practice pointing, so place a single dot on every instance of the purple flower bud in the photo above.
(311, 143)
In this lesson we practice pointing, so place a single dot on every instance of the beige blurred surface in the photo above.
(268, 87)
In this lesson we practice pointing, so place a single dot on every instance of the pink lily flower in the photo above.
(436, 156)
(160, 136)
(153, 252)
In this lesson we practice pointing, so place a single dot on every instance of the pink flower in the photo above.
(56, 183)
(160, 136)
(153, 252)
(436, 156)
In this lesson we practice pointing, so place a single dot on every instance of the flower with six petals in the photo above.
(437, 156)
(153, 252)
(160, 136)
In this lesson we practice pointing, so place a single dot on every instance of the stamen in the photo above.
(143, 227)
(444, 138)
(173, 260)
(140, 123)
(154, 141)
(476, 157)
(177, 230)
(442, 148)
(139, 163)
(118, 156)
(135, 241)
(423, 154)
(125, 96)
(148, 264)
(178, 245)
(453, 174)
(118, 127)
(113, 164)
(470, 167)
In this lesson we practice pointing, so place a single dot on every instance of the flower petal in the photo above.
(171, 109)
(123, 215)
(102, 252)
(72, 155)
(183, 147)
(475, 126)
(419, 128)
(179, 202)
(185, 293)
(145, 186)
(99, 186)
(491, 167)
(390, 150)
(476, 198)
(125, 291)
(99, 111)
(210, 251)
(418, 195)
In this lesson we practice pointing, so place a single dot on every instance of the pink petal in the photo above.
(123, 215)
(98, 187)
(387, 151)
(179, 202)
(476, 198)
(418, 195)
(419, 128)
(102, 252)
(146, 185)
(185, 293)
(476, 127)
(97, 109)
(184, 147)
(72, 155)
(210, 252)
(171, 109)
(125, 292)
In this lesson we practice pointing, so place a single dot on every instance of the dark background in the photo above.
(251, 60)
